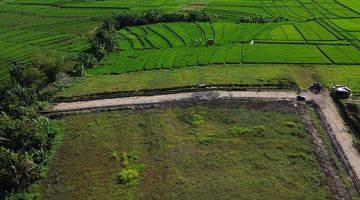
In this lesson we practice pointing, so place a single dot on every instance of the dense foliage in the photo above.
(47, 68)
(153, 16)
(26, 139)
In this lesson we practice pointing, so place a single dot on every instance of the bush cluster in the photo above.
(128, 174)
(153, 16)
(255, 131)
(195, 119)
(50, 67)
(26, 139)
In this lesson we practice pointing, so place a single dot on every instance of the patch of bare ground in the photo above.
(333, 180)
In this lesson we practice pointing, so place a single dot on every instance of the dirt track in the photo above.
(323, 100)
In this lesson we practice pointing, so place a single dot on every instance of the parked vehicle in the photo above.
(340, 92)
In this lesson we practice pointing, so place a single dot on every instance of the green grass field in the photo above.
(231, 150)
(171, 78)
(326, 32)
(238, 151)
(216, 75)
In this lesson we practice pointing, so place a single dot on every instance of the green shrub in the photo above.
(87, 59)
(237, 130)
(27, 76)
(26, 140)
(115, 155)
(63, 80)
(17, 170)
(259, 130)
(195, 120)
(18, 101)
(78, 70)
(206, 140)
(256, 131)
(28, 133)
(290, 124)
(104, 40)
(52, 63)
(128, 174)
(128, 177)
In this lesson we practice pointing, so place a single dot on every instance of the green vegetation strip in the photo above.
(221, 74)
(347, 75)
(237, 151)
(217, 74)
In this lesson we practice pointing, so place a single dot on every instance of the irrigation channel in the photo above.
(326, 110)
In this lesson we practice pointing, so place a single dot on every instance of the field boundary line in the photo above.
(328, 57)
(347, 7)
(175, 33)
(161, 36)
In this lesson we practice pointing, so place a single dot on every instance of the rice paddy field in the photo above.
(212, 150)
(315, 33)
(31, 26)
(221, 150)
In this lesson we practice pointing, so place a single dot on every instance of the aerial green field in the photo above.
(308, 33)
(219, 149)
(31, 26)
(240, 150)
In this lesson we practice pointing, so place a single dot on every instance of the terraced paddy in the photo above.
(174, 45)
(31, 26)
(309, 33)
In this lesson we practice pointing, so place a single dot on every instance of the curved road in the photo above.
(323, 100)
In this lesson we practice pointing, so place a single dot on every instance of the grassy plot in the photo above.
(342, 54)
(136, 60)
(242, 151)
(282, 53)
(355, 5)
(255, 74)
(346, 75)
(166, 78)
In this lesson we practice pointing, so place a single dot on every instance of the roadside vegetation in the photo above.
(251, 76)
(265, 76)
(26, 142)
(27, 138)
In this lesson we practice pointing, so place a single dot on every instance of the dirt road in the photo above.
(323, 100)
